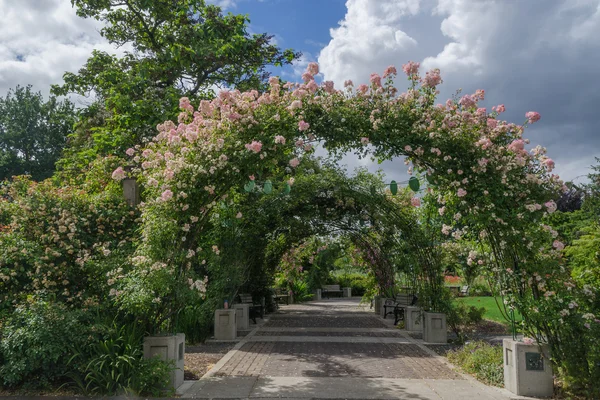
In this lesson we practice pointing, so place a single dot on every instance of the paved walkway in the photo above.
(334, 349)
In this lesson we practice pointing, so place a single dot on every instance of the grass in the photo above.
(492, 312)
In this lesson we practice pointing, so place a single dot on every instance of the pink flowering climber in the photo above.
(255, 146)
(391, 70)
(415, 201)
(551, 206)
(364, 141)
(432, 78)
(130, 152)
(532, 116)
(166, 195)
(348, 83)
(302, 126)
(118, 174)
(375, 79)
(279, 139)
(411, 68)
(294, 162)
(549, 163)
(461, 192)
(307, 77)
(558, 245)
(313, 68)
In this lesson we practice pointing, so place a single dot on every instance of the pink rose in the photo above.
(302, 126)
(558, 245)
(415, 201)
(411, 68)
(461, 193)
(130, 152)
(313, 68)
(391, 70)
(118, 174)
(279, 139)
(532, 116)
(375, 79)
(294, 162)
(166, 195)
(255, 146)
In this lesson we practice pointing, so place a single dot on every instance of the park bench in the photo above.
(326, 290)
(397, 305)
(256, 310)
(281, 295)
(464, 291)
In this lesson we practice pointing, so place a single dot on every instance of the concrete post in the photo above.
(225, 324)
(378, 302)
(317, 294)
(242, 316)
(527, 370)
(434, 328)
(131, 191)
(168, 348)
(347, 292)
(413, 319)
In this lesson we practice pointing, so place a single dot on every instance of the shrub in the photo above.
(480, 287)
(359, 283)
(115, 365)
(482, 360)
(35, 343)
(461, 316)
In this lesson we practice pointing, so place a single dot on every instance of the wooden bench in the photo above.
(256, 310)
(328, 289)
(281, 295)
(464, 291)
(397, 306)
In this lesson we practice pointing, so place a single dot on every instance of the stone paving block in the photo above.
(234, 387)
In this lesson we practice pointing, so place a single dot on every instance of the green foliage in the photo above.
(461, 317)
(180, 48)
(115, 365)
(360, 283)
(482, 360)
(35, 343)
(33, 133)
(584, 256)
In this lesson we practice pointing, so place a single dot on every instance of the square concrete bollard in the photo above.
(378, 301)
(527, 371)
(413, 319)
(434, 328)
(242, 316)
(347, 292)
(225, 324)
(131, 191)
(317, 294)
(168, 348)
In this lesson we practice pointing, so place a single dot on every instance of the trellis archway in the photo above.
(481, 181)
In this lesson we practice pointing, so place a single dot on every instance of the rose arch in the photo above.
(481, 183)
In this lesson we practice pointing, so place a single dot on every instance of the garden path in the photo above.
(334, 349)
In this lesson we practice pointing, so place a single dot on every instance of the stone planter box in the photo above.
(317, 294)
(347, 292)
(413, 319)
(168, 348)
(527, 370)
(225, 324)
(435, 329)
(242, 316)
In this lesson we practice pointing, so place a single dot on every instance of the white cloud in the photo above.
(40, 40)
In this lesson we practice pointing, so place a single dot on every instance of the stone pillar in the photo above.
(434, 328)
(378, 301)
(527, 370)
(168, 348)
(413, 319)
(317, 294)
(242, 316)
(225, 324)
(347, 292)
(131, 191)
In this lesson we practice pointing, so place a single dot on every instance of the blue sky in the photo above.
(531, 55)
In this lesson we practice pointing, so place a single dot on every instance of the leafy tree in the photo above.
(178, 48)
(571, 200)
(592, 198)
(32, 133)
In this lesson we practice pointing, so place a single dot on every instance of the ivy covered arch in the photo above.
(482, 184)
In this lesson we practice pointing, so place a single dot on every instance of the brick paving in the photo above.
(315, 359)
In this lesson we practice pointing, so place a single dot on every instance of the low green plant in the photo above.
(482, 360)
(480, 287)
(115, 365)
(360, 283)
(35, 341)
(460, 317)
(301, 291)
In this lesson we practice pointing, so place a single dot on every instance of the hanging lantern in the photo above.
(414, 184)
(268, 187)
(394, 187)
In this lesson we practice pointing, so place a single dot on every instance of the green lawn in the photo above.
(491, 308)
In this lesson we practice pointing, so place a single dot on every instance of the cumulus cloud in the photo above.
(535, 55)
(40, 40)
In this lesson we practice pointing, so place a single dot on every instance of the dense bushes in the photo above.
(360, 283)
(460, 317)
(482, 360)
